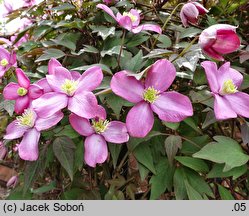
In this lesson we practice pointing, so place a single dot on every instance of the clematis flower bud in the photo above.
(218, 40)
(190, 12)
(12, 181)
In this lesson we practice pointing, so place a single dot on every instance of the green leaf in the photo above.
(68, 40)
(193, 163)
(165, 41)
(172, 144)
(189, 32)
(103, 31)
(179, 185)
(67, 131)
(225, 150)
(85, 67)
(172, 125)
(79, 155)
(143, 155)
(190, 122)
(8, 105)
(64, 150)
(135, 64)
(162, 180)
(135, 40)
(224, 193)
(64, 7)
(45, 188)
(192, 193)
(143, 171)
(217, 171)
(115, 151)
(50, 53)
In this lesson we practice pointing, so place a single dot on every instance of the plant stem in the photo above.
(121, 48)
(105, 91)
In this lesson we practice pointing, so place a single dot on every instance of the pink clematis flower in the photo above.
(224, 83)
(190, 12)
(29, 126)
(98, 131)
(22, 92)
(71, 90)
(218, 40)
(7, 60)
(130, 20)
(150, 97)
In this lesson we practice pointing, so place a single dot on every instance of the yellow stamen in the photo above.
(100, 126)
(69, 86)
(150, 94)
(228, 87)
(22, 91)
(129, 14)
(4, 62)
(26, 119)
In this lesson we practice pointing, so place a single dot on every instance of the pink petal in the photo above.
(116, 132)
(125, 22)
(212, 75)
(10, 91)
(227, 41)
(147, 27)
(14, 131)
(127, 87)
(239, 103)
(49, 103)
(43, 83)
(222, 108)
(137, 15)
(75, 75)
(107, 10)
(35, 91)
(21, 104)
(140, 120)
(172, 107)
(59, 76)
(22, 79)
(90, 79)
(100, 112)
(4, 54)
(161, 75)
(46, 123)
(81, 125)
(184, 19)
(83, 104)
(190, 12)
(202, 10)
(95, 150)
(28, 148)
(52, 64)
(213, 54)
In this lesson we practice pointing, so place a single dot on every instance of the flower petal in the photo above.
(43, 83)
(222, 108)
(46, 123)
(212, 53)
(212, 75)
(160, 75)
(52, 64)
(239, 103)
(147, 27)
(137, 15)
(100, 112)
(10, 91)
(127, 87)
(107, 10)
(49, 103)
(81, 125)
(116, 132)
(14, 131)
(22, 79)
(35, 91)
(90, 79)
(28, 148)
(95, 150)
(21, 104)
(83, 104)
(172, 107)
(140, 120)
(125, 22)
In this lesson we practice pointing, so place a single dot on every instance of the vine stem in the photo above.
(121, 48)
(165, 24)
(105, 91)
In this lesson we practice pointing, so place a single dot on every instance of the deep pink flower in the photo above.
(7, 60)
(130, 20)
(224, 83)
(150, 97)
(69, 89)
(190, 12)
(22, 92)
(218, 40)
(98, 131)
(29, 126)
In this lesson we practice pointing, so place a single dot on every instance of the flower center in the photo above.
(100, 126)
(228, 87)
(22, 91)
(26, 119)
(132, 17)
(150, 94)
(69, 86)
(4, 62)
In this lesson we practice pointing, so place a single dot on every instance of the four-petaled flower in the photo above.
(151, 96)
(7, 60)
(98, 131)
(224, 82)
(130, 20)
(22, 92)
